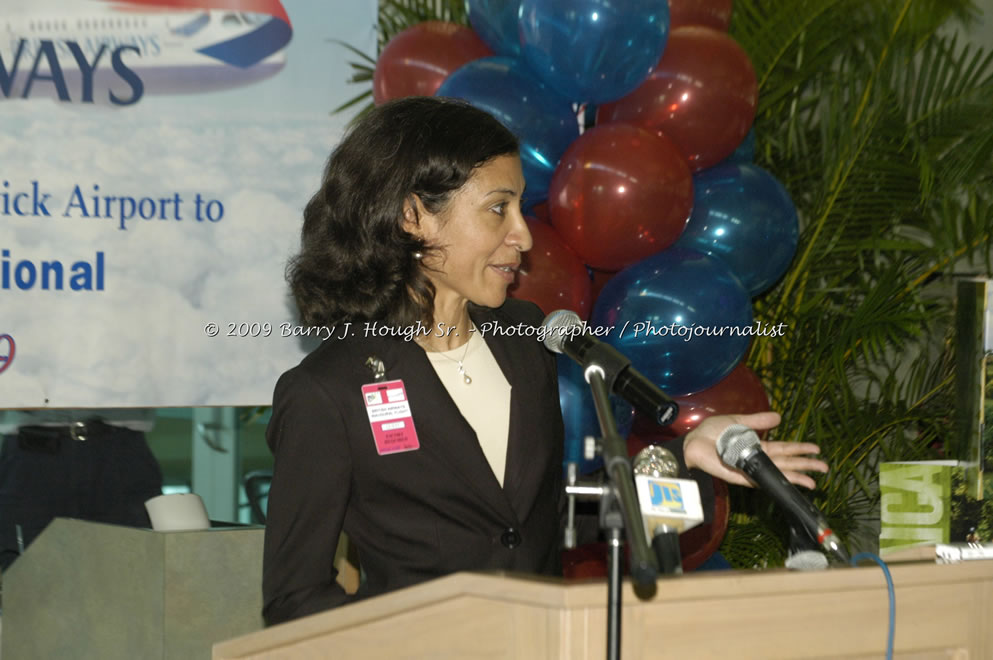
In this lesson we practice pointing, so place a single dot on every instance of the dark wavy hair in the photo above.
(356, 261)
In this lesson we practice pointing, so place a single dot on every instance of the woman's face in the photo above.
(480, 236)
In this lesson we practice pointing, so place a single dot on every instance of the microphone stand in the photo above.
(618, 509)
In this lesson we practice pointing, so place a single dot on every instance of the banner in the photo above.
(155, 158)
(929, 502)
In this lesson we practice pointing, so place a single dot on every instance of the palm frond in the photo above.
(876, 122)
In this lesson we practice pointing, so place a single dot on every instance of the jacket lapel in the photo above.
(441, 428)
(523, 474)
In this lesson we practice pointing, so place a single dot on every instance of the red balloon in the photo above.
(551, 275)
(740, 392)
(540, 211)
(416, 61)
(599, 280)
(619, 194)
(714, 14)
(702, 94)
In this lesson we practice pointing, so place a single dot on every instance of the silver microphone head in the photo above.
(736, 441)
(807, 560)
(557, 327)
(655, 461)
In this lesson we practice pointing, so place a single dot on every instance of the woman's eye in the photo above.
(500, 208)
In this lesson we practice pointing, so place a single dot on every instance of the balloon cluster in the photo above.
(634, 118)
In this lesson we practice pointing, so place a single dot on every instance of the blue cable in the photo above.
(892, 594)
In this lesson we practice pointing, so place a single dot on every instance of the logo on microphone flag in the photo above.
(666, 495)
(669, 501)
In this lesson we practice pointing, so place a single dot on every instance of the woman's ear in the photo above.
(412, 209)
(417, 220)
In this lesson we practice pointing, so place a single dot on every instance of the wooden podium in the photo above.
(943, 612)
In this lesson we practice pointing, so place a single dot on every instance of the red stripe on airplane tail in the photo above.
(271, 7)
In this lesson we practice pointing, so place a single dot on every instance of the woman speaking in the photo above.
(436, 445)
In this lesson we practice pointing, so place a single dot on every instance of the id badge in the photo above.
(389, 416)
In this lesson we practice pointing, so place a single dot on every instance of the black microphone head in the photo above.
(655, 461)
(735, 441)
(557, 327)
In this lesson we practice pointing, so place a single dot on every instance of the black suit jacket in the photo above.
(414, 515)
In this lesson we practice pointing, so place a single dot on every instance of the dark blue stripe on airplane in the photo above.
(252, 48)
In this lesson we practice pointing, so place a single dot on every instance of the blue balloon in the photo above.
(681, 316)
(745, 153)
(579, 414)
(543, 121)
(743, 216)
(495, 21)
(593, 50)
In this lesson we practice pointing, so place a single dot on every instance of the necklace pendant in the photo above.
(468, 381)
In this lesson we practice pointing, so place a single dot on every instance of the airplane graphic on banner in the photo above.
(113, 52)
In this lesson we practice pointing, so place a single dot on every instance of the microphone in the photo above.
(804, 554)
(668, 505)
(566, 333)
(739, 447)
(807, 560)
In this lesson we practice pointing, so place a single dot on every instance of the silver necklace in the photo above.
(462, 372)
(466, 378)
